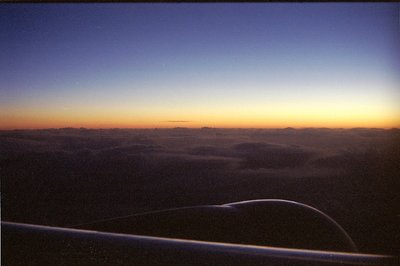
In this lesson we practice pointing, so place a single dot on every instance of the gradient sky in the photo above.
(193, 65)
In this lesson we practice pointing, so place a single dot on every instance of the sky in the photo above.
(192, 65)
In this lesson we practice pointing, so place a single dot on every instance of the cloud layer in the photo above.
(68, 176)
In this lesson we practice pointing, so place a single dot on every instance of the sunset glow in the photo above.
(208, 65)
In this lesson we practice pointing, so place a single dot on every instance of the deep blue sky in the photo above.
(139, 64)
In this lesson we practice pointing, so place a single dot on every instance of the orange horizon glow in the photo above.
(279, 69)
(273, 115)
(41, 123)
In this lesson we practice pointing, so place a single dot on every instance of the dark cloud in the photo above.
(212, 151)
(67, 176)
(345, 160)
(177, 121)
(133, 149)
(265, 155)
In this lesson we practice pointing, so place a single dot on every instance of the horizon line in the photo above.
(204, 127)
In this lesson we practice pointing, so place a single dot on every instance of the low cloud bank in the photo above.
(68, 176)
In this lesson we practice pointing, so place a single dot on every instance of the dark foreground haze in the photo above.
(65, 177)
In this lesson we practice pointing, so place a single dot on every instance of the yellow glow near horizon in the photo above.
(280, 69)
(256, 116)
